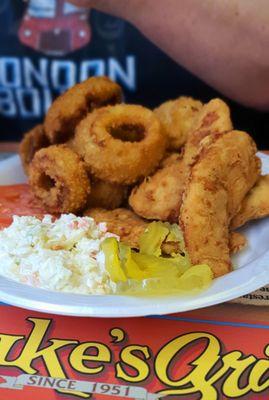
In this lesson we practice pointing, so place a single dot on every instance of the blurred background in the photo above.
(47, 46)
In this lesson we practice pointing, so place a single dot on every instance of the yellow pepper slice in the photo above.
(110, 248)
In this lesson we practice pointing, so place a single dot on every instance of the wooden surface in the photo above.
(225, 311)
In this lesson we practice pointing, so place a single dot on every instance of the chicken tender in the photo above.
(237, 242)
(214, 117)
(177, 117)
(159, 196)
(220, 178)
(32, 141)
(124, 223)
(255, 205)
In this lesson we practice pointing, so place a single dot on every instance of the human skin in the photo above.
(223, 42)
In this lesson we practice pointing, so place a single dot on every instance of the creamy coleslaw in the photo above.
(63, 255)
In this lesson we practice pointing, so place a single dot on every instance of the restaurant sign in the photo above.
(177, 356)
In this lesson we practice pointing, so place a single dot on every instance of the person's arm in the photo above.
(223, 42)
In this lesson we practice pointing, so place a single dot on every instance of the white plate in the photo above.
(252, 272)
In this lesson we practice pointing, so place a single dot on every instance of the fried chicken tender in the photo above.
(237, 242)
(72, 106)
(220, 178)
(32, 141)
(214, 117)
(124, 223)
(159, 196)
(177, 117)
(59, 180)
(255, 205)
(106, 195)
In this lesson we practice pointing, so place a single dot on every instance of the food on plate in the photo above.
(78, 255)
(59, 180)
(159, 195)
(124, 223)
(148, 271)
(68, 109)
(32, 141)
(106, 194)
(120, 144)
(214, 117)
(140, 234)
(220, 178)
(62, 255)
(255, 205)
(237, 242)
(191, 180)
(177, 117)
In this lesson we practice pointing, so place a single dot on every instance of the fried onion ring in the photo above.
(177, 117)
(120, 144)
(106, 195)
(69, 108)
(59, 180)
(32, 141)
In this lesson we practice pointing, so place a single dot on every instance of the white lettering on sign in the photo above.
(27, 87)
(71, 385)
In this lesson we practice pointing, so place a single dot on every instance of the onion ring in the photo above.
(32, 141)
(59, 180)
(69, 108)
(106, 195)
(120, 144)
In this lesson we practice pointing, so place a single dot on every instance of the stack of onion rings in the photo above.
(69, 108)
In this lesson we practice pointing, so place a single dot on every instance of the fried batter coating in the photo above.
(159, 196)
(177, 117)
(255, 205)
(32, 141)
(72, 106)
(170, 158)
(124, 223)
(220, 178)
(59, 180)
(106, 195)
(120, 144)
(237, 242)
(214, 117)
